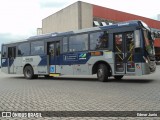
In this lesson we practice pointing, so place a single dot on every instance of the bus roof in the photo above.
(56, 34)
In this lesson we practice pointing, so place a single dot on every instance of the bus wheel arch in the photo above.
(29, 72)
(102, 65)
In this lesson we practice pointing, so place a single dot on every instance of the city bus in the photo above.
(117, 50)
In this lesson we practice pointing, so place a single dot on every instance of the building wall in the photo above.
(76, 16)
(64, 20)
(86, 15)
(157, 42)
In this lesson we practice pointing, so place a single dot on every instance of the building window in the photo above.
(65, 44)
(78, 43)
(4, 51)
(96, 23)
(110, 23)
(98, 40)
(23, 49)
(103, 23)
(37, 47)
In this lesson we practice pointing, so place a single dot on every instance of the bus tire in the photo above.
(102, 73)
(28, 72)
(118, 77)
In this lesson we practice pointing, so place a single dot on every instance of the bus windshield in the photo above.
(148, 42)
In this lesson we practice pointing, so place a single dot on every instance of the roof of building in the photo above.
(115, 15)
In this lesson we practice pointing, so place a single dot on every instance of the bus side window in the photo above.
(78, 43)
(118, 43)
(98, 40)
(57, 49)
(65, 44)
(130, 42)
(51, 49)
(23, 49)
(37, 47)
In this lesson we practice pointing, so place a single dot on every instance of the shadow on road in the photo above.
(125, 80)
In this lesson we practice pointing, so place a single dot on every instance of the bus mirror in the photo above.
(137, 38)
(153, 35)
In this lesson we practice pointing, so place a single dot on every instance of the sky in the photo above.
(19, 19)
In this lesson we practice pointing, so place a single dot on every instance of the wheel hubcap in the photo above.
(100, 73)
(28, 73)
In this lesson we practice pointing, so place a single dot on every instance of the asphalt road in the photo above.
(140, 93)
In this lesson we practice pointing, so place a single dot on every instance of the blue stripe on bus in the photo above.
(43, 60)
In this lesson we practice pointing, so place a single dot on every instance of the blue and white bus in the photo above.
(116, 50)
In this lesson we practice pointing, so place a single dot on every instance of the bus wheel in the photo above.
(28, 72)
(102, 73)
(118, 77)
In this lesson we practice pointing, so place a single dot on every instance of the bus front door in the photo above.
(11, 58)
(54, 60)
(124, 53)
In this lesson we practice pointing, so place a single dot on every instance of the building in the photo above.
(83, 15)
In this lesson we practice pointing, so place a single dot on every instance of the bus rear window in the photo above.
(4, 51)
